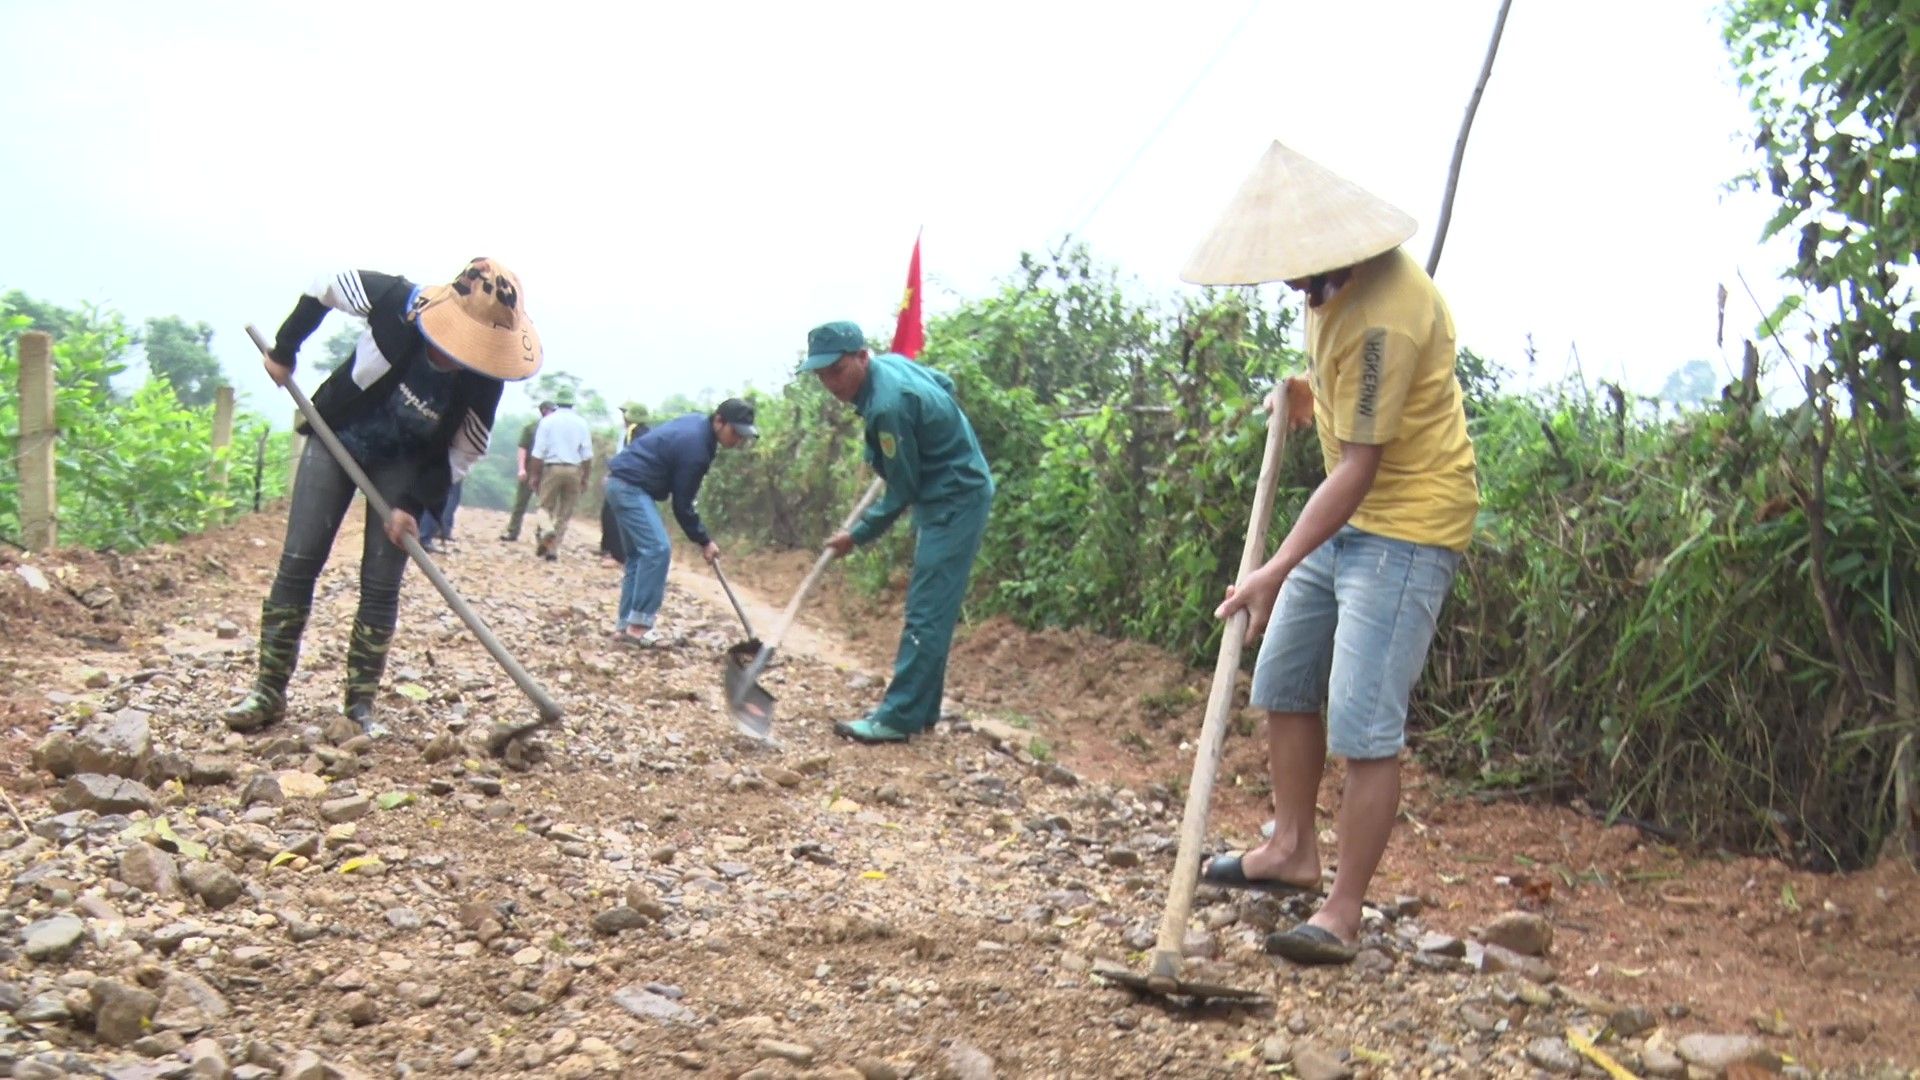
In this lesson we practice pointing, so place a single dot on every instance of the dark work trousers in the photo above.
(322, 491)
(611, 543)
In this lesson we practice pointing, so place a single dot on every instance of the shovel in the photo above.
(751, 705)
(504, 732)
(1163, 974)
(752, 698)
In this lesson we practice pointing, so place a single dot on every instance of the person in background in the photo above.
(562, 463)
(436, 527)
(523, 491)
(414, 408)
(920, 442)
(612, 552)
(668, 461)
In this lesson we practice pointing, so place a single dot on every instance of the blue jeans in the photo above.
(440, 523)
(1350, 633)
(649, 553)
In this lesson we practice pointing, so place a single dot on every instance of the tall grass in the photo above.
(1638, 626)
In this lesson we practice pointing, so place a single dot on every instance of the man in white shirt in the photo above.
(559, 468)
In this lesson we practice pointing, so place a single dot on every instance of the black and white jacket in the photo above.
(386, 351)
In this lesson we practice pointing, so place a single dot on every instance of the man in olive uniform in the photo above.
(524, 494)
(920, 442)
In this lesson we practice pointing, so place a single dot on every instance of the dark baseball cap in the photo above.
(740, 414)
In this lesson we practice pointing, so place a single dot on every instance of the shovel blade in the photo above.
(749, 703)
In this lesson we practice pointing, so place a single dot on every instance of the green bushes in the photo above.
(1118, 437)
(131, 470)
(1639, 623)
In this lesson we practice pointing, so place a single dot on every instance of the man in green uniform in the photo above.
(920, 442)
(524, 494)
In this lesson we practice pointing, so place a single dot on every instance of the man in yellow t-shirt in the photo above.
(1382, 348)
(1350, 601)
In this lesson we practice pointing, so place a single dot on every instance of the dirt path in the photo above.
(652, 895)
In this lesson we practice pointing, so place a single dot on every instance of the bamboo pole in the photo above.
(1460, 144)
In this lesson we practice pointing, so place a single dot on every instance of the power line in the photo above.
(1232, 36)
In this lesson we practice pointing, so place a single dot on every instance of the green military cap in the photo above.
(830, 341)
(633, 408)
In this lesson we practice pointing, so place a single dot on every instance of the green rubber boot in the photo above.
(366, 662)
(266, 702)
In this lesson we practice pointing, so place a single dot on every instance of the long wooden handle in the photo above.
(1206, 756)
(819, 567)
(745, 624)
(549, 709)
(765, 655)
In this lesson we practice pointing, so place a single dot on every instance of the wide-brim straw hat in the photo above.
(1292, 219)
(480, 319)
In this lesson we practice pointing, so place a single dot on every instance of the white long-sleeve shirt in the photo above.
(563, 438)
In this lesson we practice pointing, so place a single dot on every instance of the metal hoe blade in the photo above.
(505, 733)
(1172, 986)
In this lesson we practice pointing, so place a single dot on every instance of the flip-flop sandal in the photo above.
(1308, 944)
(868, 731)
(1228, 872)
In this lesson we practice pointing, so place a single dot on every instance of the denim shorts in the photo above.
(1350, 633)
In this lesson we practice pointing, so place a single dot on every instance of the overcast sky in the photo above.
(685, 189)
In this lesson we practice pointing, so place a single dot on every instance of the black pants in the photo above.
(611, 543)
(322, 492)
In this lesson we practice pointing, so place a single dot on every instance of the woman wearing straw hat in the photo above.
(415, 408)
(1350, 601)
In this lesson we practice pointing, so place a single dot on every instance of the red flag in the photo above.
(908, 334)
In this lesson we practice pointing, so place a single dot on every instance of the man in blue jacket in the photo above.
(920, 442)
(669, 461)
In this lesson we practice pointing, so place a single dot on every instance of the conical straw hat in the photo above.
(1293, 219)
(480, 319)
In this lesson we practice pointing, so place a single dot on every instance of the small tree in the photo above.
(181, 353)
(587, 402)
(341, 345)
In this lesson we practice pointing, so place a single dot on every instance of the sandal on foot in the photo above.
(869, 732)
(1228, 872)
(1308, 944)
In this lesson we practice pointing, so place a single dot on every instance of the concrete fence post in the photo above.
(222, 433)
(39, 505)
